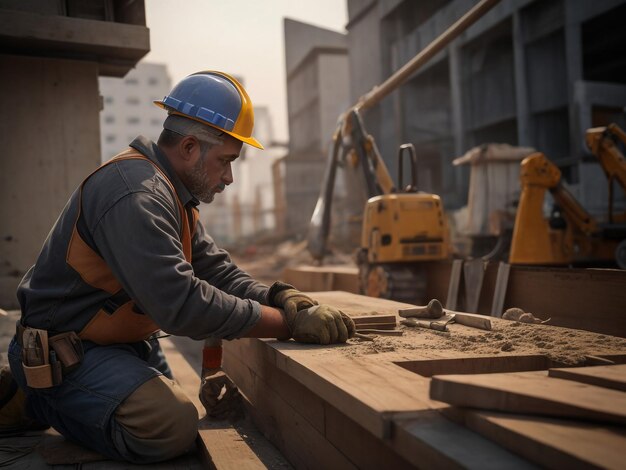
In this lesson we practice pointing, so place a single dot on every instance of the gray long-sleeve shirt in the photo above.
(131, 219)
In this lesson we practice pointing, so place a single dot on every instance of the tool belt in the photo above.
(46, 357)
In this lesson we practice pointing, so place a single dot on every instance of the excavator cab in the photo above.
(401, 229)
(406, 225)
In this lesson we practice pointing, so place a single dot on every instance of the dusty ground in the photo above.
(267, 263)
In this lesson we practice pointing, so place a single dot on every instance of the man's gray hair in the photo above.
(183, 126)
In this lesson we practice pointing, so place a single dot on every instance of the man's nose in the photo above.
(228, 176)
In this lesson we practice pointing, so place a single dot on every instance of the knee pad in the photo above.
(158, 421)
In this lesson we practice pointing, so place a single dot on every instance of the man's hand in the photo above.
(321, 324)
(219, 395)
(290, 299)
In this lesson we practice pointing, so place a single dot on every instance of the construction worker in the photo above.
(128, 258)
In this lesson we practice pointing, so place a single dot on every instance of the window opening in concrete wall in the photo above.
(101, 10)
(603, 41)
(133, 120)
(488, 87)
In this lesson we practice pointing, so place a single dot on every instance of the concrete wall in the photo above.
(50, 135)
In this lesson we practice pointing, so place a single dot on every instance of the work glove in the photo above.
(288, 298)
(320, 324)
(218, 393)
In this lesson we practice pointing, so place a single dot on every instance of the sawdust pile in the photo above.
(561, 345)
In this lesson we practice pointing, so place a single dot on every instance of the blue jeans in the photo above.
(82, 408)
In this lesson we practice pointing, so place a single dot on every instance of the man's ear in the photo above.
(189, 148)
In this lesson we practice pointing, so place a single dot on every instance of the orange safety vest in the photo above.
(123, 325)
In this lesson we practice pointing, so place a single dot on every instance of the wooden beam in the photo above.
(531, 393)
(422, 439)
(220, 444)
(550, 443)
(295, 425)
(603, 376)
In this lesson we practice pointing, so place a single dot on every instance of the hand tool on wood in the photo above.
(363, 337)
(517, 314)
(431, 325)
(434, 311)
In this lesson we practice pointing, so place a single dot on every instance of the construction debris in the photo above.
(517, 314)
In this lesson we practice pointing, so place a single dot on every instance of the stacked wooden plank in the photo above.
(562, 418)
(367, 405)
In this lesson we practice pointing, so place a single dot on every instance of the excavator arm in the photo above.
(350, 125)
(535, 240)
(602, 143)
(362, 152)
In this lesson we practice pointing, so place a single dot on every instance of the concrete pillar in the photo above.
(458, 130)
(573, 52)
(50, 134)
(521, 89)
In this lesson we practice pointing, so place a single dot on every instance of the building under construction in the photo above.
(529, 73)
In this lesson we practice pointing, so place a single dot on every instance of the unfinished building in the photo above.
(317, 93)
(531, 73)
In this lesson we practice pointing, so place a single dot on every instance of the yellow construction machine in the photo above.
(570, 235)
(402, 227)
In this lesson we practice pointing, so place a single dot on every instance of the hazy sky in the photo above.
(243, 37)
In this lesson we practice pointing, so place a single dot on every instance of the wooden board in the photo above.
(220, 444)
(375, 319)
(365, 390)
(296, 426)
(432, 441)
(602, 376)
(588, 299)
(308, 428)
(531, 393)
(551, 443)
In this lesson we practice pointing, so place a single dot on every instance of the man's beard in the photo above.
(198, 185)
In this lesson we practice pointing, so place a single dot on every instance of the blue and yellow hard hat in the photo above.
(216, 99)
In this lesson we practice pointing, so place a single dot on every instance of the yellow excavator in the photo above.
(570, 235)
(402, 227)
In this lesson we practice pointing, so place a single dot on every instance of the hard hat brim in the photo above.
(246, 140)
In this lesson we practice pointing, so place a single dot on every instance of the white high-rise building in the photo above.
(128, 108)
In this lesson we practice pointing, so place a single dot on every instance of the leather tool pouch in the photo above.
(69, 350)
(35, 358)
(63, 354)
